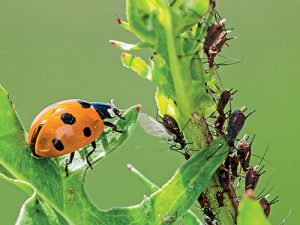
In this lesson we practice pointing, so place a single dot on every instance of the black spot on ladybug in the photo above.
(87, 131)
(68, 118)
(58, 145)
(84, 104)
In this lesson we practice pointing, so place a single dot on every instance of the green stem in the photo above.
(197, 132)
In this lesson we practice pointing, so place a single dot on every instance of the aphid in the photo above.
(224, 99)
(203, 200)
(244, 153)
(207, 211)
(224, 178)
(220, 198)
(208, 221)
(235, 124)
(167, 129)
(215, 41)
(234, 167)
(231, 164)
(252, 178)
(67, 126)
(267, 205)
(219, 124)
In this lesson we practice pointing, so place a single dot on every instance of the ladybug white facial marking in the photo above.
(111, 113)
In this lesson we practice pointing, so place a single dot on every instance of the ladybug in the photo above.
(67, 126)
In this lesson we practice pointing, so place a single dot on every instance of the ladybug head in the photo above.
(106, 110)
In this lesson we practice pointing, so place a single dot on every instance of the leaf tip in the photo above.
(112, 42)
(119, 21)
(123, 54)
(129, 166)
(138, 107)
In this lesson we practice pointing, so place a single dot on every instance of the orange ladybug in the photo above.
(67, 126)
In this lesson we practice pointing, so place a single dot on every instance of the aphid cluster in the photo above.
(238, 161)
(203, 200)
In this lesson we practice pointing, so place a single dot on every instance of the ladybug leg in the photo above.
(113, 126)
(90, 153)
(68, 162)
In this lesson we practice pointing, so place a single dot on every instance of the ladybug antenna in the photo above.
(116, 110)
(112, 102)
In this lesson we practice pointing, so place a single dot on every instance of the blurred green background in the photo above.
(55, 50)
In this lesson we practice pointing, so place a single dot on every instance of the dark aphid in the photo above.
(172, 126)
(234, 167)
(267, 205)
(220, 198)
(224, 99)
(231, 164)
(244, 153)
(219, 124)
(209, 213)
(203, 200)
(252, 178)
(215, 41)
(167, 129)
(208, 221)
(228, 162)
(224, 178)
(235, 124)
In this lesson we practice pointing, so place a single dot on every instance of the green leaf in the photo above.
(189, 12)
(65, 195)
(129, 47)
(251, 212)
(34, 211)
(189, 218)
(180, 193)
(139, 19)
(136, 64)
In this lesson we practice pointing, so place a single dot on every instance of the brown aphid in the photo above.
(215, 41)
(172, 126)
(220, 198)
(224, 178)
(224, 99)
(219, 124)
(267, 205)
(231, 164)
(208, 221)
(234, 167)
(244, 153)
(252, 178)
(203, 200)
(209, 213)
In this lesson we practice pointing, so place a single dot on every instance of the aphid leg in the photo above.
(113, 126)
(68, 162)
(90, 153)
(220, 146)
(185, 125)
